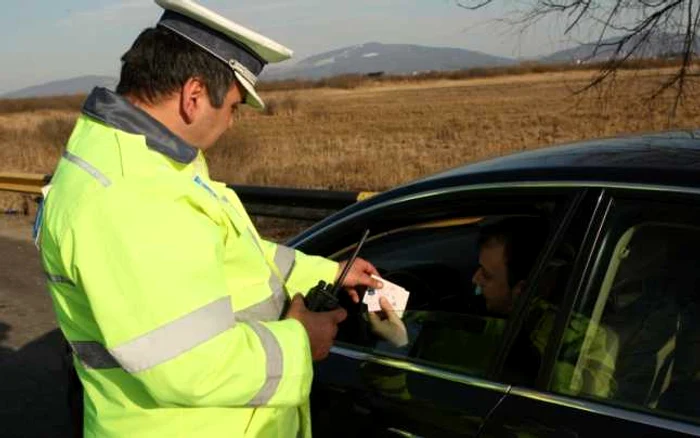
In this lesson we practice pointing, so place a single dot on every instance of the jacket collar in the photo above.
(116, 111)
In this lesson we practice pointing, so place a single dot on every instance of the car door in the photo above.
(426, 243)
(624, 358)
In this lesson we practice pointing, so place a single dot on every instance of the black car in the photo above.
(620, 262)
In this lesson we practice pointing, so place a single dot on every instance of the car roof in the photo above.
(601, 159)
(666, 158)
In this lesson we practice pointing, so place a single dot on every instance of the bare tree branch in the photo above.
(474, 7)
(582, 13)
(625, 30)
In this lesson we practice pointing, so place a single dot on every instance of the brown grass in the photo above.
(351, 81)
(61, 103)
(377, 136)
(381, 134)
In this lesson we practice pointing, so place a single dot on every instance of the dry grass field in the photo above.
(379, 134)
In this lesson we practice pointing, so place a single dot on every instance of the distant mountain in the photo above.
(79, 85)
(361, 59)
(657, 46)
(387, 58)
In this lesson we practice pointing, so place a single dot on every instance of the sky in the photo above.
(46, 40)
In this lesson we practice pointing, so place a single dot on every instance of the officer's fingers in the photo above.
(338, 315)
(369, 267)
(365, 280)
(362, 266)
(360, 276)
(297, 310)
(353, 295)
(297, 303)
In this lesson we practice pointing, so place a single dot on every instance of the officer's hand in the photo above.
(320, 326)
(391, 327)
(359, 275)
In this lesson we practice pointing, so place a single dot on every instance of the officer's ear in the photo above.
(193, 97)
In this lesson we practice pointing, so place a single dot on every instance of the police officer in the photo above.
(171, 301)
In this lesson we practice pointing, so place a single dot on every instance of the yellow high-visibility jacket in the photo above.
(168, 296)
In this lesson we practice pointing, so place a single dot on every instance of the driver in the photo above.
(507, 252)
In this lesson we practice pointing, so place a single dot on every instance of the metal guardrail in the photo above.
(299, 204)
(22, 182)
(280, 202)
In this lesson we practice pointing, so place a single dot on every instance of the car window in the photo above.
(447, 323)
(641, 327)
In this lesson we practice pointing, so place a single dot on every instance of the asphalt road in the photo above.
(33, 395)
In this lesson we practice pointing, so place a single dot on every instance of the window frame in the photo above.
(350, 227)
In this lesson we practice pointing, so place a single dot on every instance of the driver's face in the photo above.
(492, 278)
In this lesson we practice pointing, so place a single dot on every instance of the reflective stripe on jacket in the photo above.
(165, 290)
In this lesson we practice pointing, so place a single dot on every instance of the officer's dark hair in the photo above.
(161, 61)
(523, 239)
